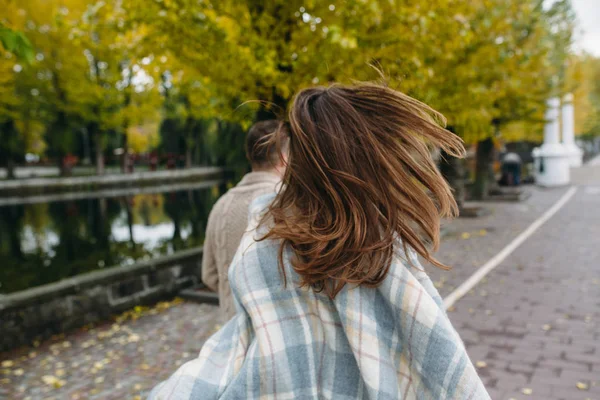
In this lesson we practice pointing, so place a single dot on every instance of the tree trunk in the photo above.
(484, 169)
(188, 157)
(87, 152)
(124, 155)
(453, 170)
(10, 168)
(189, 127)
(99, 155)
(126, 122)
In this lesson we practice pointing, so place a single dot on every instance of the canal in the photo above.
(49, 238)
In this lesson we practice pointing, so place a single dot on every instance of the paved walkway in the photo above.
(120, 360)
(532, 325)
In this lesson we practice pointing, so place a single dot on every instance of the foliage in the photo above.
(583, 80)
(16, 43)
(478, 62)
(119, 72)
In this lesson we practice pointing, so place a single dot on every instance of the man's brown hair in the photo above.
(360, 180)
(259, 149)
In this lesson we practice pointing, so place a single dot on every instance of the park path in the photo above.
(531, 326)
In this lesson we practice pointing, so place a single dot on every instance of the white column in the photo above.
(551, 129)
(551, 161)
(568, 132)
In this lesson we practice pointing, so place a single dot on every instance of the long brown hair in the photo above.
(360, 176)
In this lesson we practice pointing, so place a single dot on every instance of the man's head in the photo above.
(267, 145)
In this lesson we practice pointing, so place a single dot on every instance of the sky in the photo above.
(588, 15)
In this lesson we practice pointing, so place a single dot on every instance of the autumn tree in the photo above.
(20, 126)
(112, 69)
(583, 80)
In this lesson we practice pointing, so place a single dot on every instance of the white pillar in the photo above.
(551, 161)
(568, 132)
(551, 129)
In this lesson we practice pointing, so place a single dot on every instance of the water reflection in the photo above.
(46, 242)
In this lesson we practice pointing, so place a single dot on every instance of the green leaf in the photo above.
(17, 43)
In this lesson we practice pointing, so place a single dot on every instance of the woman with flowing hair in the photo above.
(331, 299)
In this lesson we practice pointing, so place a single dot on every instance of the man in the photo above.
(229, 217)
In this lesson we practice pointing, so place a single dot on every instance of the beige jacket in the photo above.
(226, 224)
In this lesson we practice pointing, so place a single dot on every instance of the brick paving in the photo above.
(532, 325)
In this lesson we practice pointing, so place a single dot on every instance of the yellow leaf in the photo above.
(53, 381)
(582, 386)
(546, 327)
(481, 364)
(137, 387)
(7, 364)
(465, 235)
(59, 372)
(133, 338)
(527, 391)
(483, 232)
(18, 372)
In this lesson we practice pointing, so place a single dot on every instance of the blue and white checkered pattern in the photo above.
(286, 342)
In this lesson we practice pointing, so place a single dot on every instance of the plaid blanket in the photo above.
(391, 342)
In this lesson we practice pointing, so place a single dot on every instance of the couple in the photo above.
(330, 298)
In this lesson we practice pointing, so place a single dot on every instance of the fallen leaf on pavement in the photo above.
(582, 386)
(53, 381)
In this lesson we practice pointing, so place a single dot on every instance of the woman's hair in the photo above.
(360, 177)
